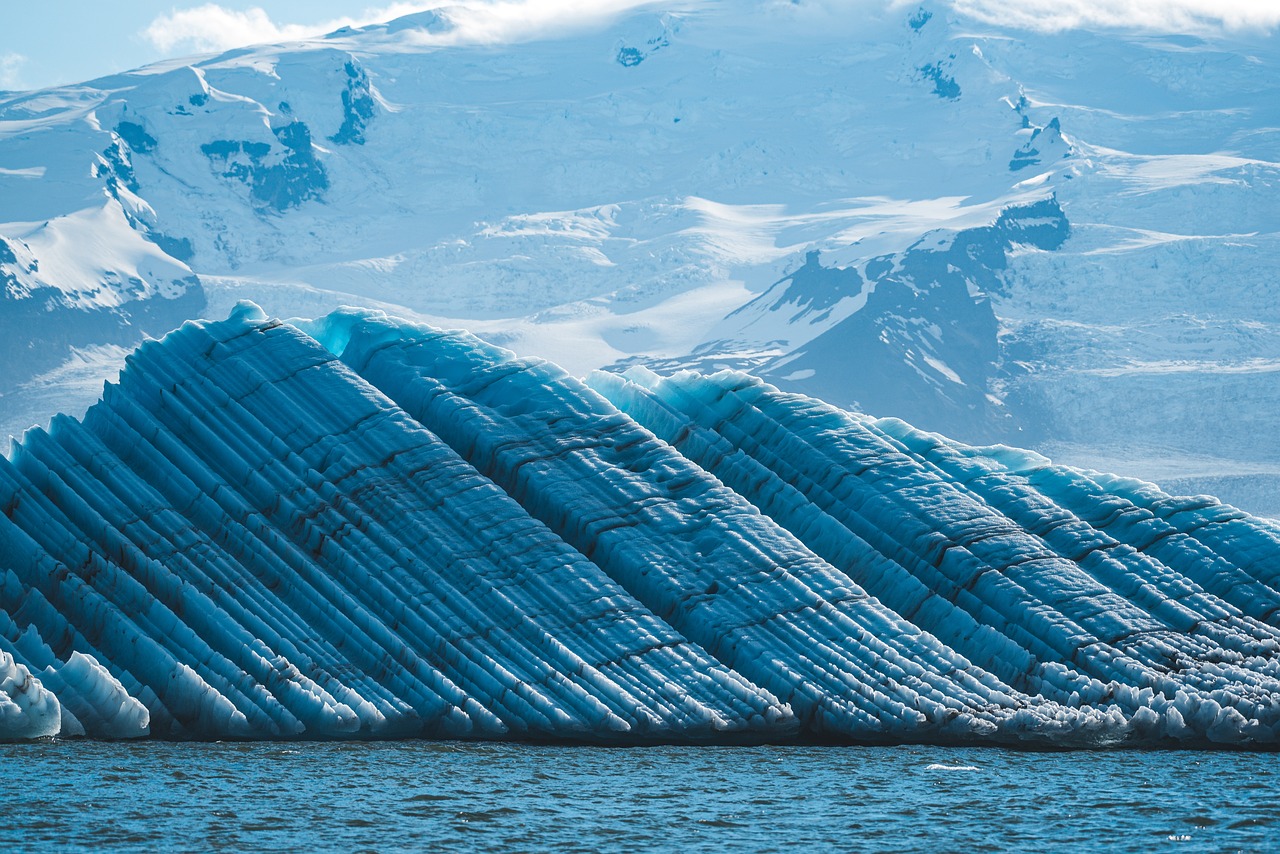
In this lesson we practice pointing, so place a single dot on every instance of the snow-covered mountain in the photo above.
(383, 529)
(1064, 240)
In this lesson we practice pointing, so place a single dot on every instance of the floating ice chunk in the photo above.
(27, 709)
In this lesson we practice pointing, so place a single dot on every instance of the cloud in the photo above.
(1159, 15)
(11, 70)
(503, 21)
(211, 27)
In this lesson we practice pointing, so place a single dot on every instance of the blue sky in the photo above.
(66, 41)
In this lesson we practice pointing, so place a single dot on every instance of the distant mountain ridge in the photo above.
(1064, 241)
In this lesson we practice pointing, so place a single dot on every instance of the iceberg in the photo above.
(361, 527)
(1086, 589)
(27, 708)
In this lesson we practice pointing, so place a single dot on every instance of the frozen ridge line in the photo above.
(362, 527)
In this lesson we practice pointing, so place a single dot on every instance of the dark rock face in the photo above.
(136, 137)
(278, 178)
(944, 85)
(925, 346)
(357, 107)
(1040, 147)
(116, 168)
(10, 265)
(629, 56)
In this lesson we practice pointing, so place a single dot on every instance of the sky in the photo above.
(56, 42)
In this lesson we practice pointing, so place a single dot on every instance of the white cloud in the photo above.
(11, 70)
(211, 27)
(519, 20)
(1159, 15)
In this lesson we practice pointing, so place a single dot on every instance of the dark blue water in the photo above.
(422, 795)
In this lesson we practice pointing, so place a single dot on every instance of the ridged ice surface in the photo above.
(1085, 589)
(360, 527)
(255, 542)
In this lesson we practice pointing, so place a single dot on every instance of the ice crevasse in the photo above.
(362, 527)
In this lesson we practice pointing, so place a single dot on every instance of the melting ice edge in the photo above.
(362, 527)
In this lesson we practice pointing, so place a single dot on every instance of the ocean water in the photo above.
(394, 796)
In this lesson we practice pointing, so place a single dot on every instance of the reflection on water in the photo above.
(424, 795)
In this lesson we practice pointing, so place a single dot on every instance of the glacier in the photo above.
(1016, 229)
(359, 526)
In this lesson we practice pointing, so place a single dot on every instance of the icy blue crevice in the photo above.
(874, 556)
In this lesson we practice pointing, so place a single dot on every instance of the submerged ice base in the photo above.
(361, 527)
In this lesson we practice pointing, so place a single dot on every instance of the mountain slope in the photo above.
(1068, 241)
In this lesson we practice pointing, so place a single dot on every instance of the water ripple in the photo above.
(505, 797)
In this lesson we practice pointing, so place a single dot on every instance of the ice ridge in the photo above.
(363, 527)
(1085, 589)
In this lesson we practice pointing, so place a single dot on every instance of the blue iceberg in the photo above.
(362, 527)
